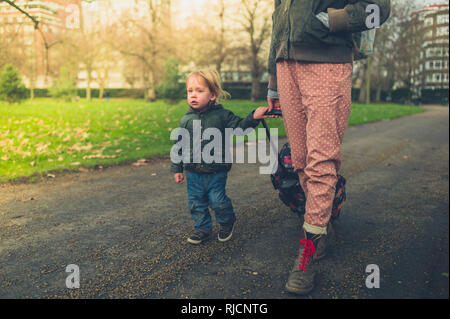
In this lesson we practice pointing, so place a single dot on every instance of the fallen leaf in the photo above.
(141, 162)
(99, 156)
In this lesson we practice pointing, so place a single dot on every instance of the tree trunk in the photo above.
(378, 97)
(32, 85)
(368, 75)
(255, 89)
(151, 95)
(101, 91)
(88, 87)
(362, 92)
(256, 74)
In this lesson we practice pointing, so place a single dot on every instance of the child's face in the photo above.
(198, 93)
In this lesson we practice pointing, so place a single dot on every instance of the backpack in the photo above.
(287, 182)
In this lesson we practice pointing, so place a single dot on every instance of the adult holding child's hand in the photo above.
(310, 78)
(273, 100)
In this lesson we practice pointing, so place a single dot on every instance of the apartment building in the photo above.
(54, 16)
(432, 63)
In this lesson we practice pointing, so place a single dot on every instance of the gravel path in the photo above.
(126, 227)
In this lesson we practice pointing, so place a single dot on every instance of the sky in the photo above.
(184, 10)
(423, 3)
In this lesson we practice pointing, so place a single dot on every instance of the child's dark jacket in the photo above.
(214, 117)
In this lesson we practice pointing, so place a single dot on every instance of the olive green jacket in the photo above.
(214, 117)
(298, 35)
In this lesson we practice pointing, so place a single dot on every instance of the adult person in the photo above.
(310, 68)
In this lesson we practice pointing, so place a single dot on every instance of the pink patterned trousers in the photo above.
(316, 101)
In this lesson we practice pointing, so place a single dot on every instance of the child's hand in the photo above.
(179, 178)
(259, 113)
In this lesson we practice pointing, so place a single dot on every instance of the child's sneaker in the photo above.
(225, 232)
(198, 236)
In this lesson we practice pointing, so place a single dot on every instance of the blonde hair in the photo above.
(213, 81)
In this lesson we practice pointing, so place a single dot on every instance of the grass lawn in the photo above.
(47, 135)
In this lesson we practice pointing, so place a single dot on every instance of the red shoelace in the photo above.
(308, 250)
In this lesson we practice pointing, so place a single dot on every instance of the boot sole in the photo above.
(299, 291)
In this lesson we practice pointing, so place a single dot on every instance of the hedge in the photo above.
(242, 91)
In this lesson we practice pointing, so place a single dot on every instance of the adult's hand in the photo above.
(273, 100)
(273, 103)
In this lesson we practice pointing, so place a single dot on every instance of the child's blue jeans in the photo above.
(208, 190)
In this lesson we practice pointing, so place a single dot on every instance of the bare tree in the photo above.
(147, 40)
(211, 35)
(255, 22)
(47, 44)
(392, 60)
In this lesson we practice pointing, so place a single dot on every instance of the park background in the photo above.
(87, 84)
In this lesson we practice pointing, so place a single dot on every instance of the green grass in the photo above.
(47, 135)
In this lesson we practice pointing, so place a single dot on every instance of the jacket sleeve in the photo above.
(234, 121)
(174, 167)
(271, 63)
(353, 17)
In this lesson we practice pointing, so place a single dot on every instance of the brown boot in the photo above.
(323, 242)
(301, 277)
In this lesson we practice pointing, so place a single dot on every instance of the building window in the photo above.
(28, 28)
(28, 40)
(442, 19)
(428, 21)
(442, 31)
(437, 77)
